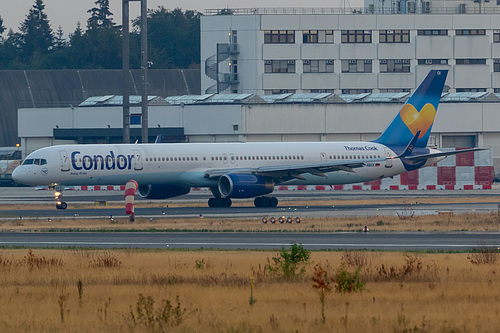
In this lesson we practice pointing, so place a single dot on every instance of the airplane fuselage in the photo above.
(186, 164)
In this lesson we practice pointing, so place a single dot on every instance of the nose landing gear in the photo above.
(58, 195)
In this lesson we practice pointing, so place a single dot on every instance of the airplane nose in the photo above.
(19, 174)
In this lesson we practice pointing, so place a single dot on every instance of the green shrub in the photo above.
(346, 282)
(290, 263)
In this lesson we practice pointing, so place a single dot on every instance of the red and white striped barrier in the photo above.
(130, 189)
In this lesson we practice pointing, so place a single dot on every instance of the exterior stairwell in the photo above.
(223, 80)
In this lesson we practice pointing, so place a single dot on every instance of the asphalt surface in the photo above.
(200, 198)
(248, 240)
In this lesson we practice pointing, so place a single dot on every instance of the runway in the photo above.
(248, 240)
(198, 201)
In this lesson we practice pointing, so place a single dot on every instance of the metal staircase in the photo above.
(224, 80)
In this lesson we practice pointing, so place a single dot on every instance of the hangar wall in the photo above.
(50, 88)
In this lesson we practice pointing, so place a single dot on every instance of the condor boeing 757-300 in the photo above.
(246, 170)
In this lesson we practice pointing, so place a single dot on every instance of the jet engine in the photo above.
(240, 185)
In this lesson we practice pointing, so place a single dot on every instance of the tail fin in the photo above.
(417, 114)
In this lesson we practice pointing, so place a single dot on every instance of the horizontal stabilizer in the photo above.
(422, 157)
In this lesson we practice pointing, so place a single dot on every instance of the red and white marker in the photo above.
(130, 190)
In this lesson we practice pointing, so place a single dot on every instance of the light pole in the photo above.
(126, 70)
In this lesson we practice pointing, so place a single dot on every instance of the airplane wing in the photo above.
(286, 172)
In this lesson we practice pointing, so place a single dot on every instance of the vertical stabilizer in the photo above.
(417, 114)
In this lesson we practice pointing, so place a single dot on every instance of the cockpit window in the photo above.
(37, 161)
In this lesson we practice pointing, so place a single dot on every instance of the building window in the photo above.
(317, 36)
(471, 61)
(279, 36)
(135, 119)
(496, 65)
(318, 66)
(432, 32)
(321, 91)
(394, 36)
(279, 66)
(356, 66)
(471, 89)
(356, 91)
(394, 65)
(278, 91)
(356, 36)
(471, 32)
(395, 90)
(433, 61)
(496, 90)
(496, 36)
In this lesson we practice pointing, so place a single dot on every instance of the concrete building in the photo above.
(271, 51)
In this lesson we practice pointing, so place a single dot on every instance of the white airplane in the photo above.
(245, 170)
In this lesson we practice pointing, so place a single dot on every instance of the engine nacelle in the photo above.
(163, 191)
(241, 185)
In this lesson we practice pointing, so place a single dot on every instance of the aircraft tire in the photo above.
(211, 202)
(63, 205)
(226, 202)
(273, 202)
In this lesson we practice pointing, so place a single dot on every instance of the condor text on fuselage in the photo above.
(100, 162)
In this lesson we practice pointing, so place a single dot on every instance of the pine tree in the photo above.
(100, 16)
(2, 27)
(59, 41)
(36, 36)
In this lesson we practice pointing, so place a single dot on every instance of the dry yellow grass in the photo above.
(448, 294)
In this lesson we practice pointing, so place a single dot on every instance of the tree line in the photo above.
(173, 41)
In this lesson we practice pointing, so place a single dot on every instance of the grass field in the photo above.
(78, 290)
(444, 222)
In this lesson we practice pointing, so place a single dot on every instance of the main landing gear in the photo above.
(265, 202)
(258, 202)
(58, 194)
(219, 202)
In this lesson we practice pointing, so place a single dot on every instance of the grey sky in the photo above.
(67, 12)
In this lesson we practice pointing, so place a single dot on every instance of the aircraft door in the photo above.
(388, 159)
(224, 158)
(64, 160)
(323, 157)
(137, 160)
(231, 157)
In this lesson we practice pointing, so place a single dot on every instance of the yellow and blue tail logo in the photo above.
(417, 114)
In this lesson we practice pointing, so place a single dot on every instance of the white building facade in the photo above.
(263, 51)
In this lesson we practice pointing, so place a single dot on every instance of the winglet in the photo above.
(409, 148)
